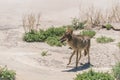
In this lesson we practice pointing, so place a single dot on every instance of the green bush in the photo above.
(76, 24)
(92, 75)
(108, 26)
(50, 36)
(53, 41)
(6, 74)
(89, 33)
(116, 71)
(104, 39)
(34, 36)
(50, 32)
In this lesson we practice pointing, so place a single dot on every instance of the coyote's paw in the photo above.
(81, 64)
(68, 64)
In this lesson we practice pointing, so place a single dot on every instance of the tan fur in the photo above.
(77, 43)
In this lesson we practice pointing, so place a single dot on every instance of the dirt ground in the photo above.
(25, 58)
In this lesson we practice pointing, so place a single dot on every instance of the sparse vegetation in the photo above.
(51, 36)
(104, 39)
(44, 53)
(92, 75)
(89, 33)
(116, 71)
(6, 74)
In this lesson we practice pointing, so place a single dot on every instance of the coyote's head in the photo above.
(67, 35)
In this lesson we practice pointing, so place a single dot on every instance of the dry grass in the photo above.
(31, 22)
(96, 17)
(114, 15)
(93, 16)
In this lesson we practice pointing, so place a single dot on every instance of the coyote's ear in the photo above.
(69, 30)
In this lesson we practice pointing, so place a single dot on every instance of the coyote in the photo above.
(77, 43)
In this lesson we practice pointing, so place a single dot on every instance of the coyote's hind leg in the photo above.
(77, 59)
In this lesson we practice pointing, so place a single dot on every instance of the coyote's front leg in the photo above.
(71, 57)
(79, 56)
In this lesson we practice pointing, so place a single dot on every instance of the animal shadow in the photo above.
(80, 68)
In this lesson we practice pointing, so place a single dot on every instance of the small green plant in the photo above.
(104, 39)
(89, 33)
(119, 44)
(108, 26)
(6, 74)
(92, 75)
(44, 53)
(76, 24)
(116, 71)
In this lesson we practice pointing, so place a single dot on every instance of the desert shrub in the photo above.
(6, 74)
(34, 36)
(104, 39)
(50, 36)
(92, 75)
(108, 26)
(76, 24)
(89, 33)
(44, 53)
(29, 37)
(116, 71)
(54, 31)
(53, 41)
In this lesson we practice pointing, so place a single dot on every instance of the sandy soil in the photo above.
(25, 58)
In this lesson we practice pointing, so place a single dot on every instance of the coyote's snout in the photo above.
(77, 43)
(67, 36)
